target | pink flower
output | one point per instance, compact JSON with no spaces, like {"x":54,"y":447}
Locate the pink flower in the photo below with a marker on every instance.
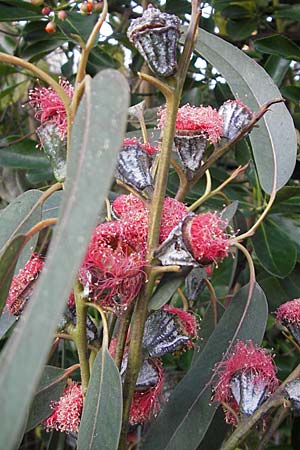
{"x":289,"y":315}
{"x":146,"y":403}
{"x":203,"y":119}
{"x":206,"y":238}
{"x":187,"y":321}
{"x":128,"y":207}
{"x":49,"y":106}
{"x":22,"y":284}
{"x":67,"y":411}
{"x":113,"y":266}
{"x":246,"y":378}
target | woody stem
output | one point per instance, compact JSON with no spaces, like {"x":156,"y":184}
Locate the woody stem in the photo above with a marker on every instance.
{"x":173,"y":96}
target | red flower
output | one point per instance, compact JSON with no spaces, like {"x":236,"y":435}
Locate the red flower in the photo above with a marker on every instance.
{"x":206,"y":238}
{"x":289,"y":315}
{"x":22,"y":284}
{"x":246,"y":378}
{"x":289,"y":312}
{"x":187,"y":321}
{"x":113,"y":266}
{"x":150,"y":149}
{"x":49,"y":106}
{"x":67,"y":411}
{"x":128,"y":207}
{"x":146,"y":403}
{"x":203,"y":119}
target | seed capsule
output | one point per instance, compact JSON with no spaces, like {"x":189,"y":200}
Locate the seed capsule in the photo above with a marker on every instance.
{"x":155,"y":35}
{"x":235,"y":116}
{"x":248,"y":394}
{"x":55,"y":148}
{"x":133,"y":167}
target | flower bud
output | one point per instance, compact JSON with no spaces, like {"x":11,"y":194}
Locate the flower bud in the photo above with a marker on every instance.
{"x":46,"y":11}
{"x":62,"y":15}
{"x":50,"y":27}
{"x":155,"y":35}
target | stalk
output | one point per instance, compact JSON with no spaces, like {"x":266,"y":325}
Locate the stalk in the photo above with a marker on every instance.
{"x":172,"y":91}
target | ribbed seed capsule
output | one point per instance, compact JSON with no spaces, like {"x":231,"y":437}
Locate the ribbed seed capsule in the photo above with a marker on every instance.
{"x":235,"y":116}
{"x":133,"y":167}
{"x":190,"y":149}
{"x":248,"y":394}
{"x":155,"y":35}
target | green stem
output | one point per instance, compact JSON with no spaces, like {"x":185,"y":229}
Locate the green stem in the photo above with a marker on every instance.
{"x":277,"y":399}
{"x":122,"y":335}
{"x":79,"y":335}
{"x":172,"y":92}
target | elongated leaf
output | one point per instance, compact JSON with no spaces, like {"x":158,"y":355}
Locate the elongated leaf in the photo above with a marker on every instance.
{"x":249,"y":81}
{"x":274,"y":249}
{"x":277,"y":68}
{"x":51,"y":205}
{"x":166,"y":289}
{"x":291,"y":12}
{"x":229,"y":212}
{"x":16,"y":217}
{"x":186,"y":417}
{"x":8,"y":261}
{"x":23,"y":155}
{"x":49,"y":390}
{"x":215,"y":433}
{"x":102,"y":414}
{"x":18,"y":10}
{"x":278,"y":45}
{"x":77,"y":24}
{"x":6,"y":322}
{"x":97,"y":135}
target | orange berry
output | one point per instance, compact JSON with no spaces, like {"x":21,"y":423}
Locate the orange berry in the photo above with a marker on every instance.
{"x":50,"y":27}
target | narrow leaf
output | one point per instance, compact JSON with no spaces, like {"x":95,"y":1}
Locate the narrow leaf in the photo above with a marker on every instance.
{"x":278,"y":45}
{"x":97,"y":135}
{"x":189,"y":412}
{"x":6,"y":322}
{"x":102,"y":414}
{"x":166,"y":289}
{"x":248,"y":81}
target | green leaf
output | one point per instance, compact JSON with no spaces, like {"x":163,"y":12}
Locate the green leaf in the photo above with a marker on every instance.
{"x":291,"y":226}
{"x":37,"y":50}
{"x":274,"y":249}
{"x":17,"y":218}
{"x":49,"y":389}
{"x":18,"y":10}
{"x":188,"y":412}
{"x":102,"y":413}
{"x":239,"y":30}
{"x":97,"y":135}
{"x":166,"y":289}
{"x":229,"y":212}
{"x":8,"y":260}
{"x":291,"y":93}
{"x":291,"y":12}
{"x":278,"y":45}
{"x":51,"y":205}
{"x":77,"y":24}
{"x":23,"y":155}
{"x":215,"y":433}
{"x":277,"y":68}
{"x":6,"y":322}
{"x":249,"y":81}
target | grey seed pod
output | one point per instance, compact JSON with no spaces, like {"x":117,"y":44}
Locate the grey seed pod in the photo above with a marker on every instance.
{"x":55,"y":148}
{"x":162,"y":334}
{"x":248,"y":394}
{"x":194,"y":283}
{"x":133,"y":168}
{"x":148,"y":375}
{"x":235,"y":116}
{"x":173,"y":251}
{"x":293,"y":391}
{"x":155,"y":35}
{"x":91,"y":329}
{"x":190,"y":148}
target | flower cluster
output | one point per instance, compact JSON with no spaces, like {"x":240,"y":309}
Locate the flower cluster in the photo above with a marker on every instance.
{"x":66,"y":411}
{"x":49,"y":106}
{"x":22,"y":285}
{"x":112,"y":270}
{"x":245,"y":379}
